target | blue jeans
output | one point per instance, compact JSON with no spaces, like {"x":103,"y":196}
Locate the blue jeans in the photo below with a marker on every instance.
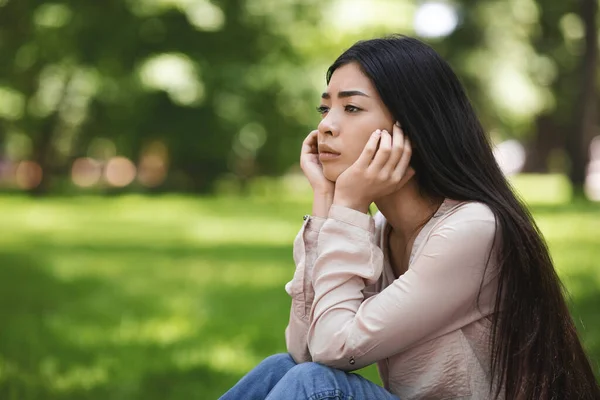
{"x":278,"y":377}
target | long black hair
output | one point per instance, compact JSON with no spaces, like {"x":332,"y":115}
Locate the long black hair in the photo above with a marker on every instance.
{"x":535,"y":350}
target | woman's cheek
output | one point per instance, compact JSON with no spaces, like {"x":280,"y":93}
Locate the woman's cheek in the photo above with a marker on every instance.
{"x":353,"y":155}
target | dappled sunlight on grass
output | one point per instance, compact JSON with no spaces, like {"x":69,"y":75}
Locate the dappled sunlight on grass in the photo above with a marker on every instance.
{"x":543,"y":188}
{"x":230,"y":357}
{"x":188,"y":272}
{"x":186,"y":222}
{"x":573,"y":238}
{"x":77,"y":377}
{"x":218,"y":230}
{"x":130,"y":330}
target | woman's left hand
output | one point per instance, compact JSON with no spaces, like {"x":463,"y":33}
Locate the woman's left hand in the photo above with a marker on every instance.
{"x":377,"y":172}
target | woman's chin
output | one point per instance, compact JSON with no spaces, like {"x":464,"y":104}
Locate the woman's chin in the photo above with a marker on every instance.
{"x":331,"y":174}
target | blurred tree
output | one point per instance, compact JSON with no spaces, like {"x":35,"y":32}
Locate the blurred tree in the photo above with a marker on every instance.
{"x":206,"y":80}
{"x":553,"y":124}
{"x":554,"y":46}
{"x":227,"y":89}
{"x":567,"y":38}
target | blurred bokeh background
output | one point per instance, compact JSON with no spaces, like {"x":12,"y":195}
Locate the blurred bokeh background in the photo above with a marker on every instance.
{"x":149,"y":181}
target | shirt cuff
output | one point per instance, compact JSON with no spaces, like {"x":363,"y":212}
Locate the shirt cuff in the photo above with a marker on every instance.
{"x":314,"y":224}
{"x":352,"y":217}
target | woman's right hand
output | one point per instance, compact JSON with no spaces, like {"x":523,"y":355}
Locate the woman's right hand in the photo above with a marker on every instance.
{"x":312,"y":167}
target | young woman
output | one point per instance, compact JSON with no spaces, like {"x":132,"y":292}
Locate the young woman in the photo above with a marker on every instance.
{"x":449,"y":288}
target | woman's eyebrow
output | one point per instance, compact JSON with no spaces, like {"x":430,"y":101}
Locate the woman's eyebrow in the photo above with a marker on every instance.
{"x":344,"y":93}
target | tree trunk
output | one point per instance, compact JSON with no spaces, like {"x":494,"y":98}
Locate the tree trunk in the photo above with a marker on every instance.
{"x":2,"y":141}
{"x":551,"y":129}
{"x":578,"y":142}
{"x":541,"y":145}
{"x":42,"y":154}
{"x":43,"y":147}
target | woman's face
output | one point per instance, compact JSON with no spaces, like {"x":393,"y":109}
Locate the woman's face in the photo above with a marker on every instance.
{"x":352,"y":111}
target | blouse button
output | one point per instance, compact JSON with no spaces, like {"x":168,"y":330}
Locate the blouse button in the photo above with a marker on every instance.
{"x":352,"y":360}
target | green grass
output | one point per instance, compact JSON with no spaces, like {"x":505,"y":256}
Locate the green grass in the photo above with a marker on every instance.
{"x":177,"y":297}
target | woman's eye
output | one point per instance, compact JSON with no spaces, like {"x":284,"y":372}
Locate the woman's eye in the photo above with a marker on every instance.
{"x":322,"y":109}
{"x":351,"y":109}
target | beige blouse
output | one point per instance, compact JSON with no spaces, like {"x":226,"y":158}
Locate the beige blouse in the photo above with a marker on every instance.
{"x":426,"y":330}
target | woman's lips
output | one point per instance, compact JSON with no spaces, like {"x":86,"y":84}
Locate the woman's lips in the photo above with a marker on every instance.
{"x":326,"y":156}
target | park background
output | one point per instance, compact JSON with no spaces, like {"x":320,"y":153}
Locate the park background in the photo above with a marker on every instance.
{"x":149,"y":181}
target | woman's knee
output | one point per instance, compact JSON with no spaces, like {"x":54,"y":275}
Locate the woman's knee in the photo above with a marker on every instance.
{"x":279,"y":360}
{"x":310,"y":369}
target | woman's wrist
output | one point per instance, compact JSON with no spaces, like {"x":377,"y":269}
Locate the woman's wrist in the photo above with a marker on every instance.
{"x":351,"y":202}
{"x":321,"y":203}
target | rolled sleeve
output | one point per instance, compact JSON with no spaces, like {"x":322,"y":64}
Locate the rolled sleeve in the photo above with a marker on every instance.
{"x":352,"y":217}
{"x":314,"y":224}
{"x":300,"y":288}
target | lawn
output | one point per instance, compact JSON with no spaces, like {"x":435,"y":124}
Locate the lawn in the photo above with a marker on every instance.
{"x":177,"y":297}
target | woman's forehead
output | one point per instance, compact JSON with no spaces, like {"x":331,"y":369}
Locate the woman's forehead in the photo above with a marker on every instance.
{"x":349,"y":77}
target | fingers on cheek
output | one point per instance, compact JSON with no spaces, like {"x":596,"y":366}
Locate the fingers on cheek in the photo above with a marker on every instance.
{"x":387,"y":138}
{"x":386,"y":144}
{"x":398,"y":139}
{"x":376,"y":148}
{"x":375,"y":144}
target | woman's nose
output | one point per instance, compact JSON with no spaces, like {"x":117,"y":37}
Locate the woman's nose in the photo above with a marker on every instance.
{"x":328,"y":126}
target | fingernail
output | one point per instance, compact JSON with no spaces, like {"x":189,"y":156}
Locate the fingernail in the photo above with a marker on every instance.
{"x":377,"y":133}
{"x":398,"y":124}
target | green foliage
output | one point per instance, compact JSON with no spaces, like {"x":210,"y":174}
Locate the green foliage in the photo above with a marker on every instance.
{"x":228,"y":88}
{"x":206,"y":80}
